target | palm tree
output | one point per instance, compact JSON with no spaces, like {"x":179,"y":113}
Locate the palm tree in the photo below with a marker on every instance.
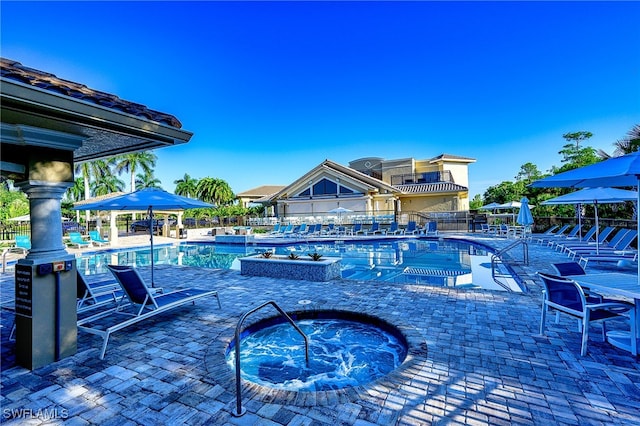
{"x":213,"y":190}
{"x":107,"y":184}
{"x":75,"y":193}
{"x":187,"y":186}
{"x":133,"y":162}
{"x":630,"y":143}
{"x":147,"y":180}
{"x":92,"y":170}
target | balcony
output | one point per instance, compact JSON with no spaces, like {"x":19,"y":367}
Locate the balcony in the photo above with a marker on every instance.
{"x":418,"y":178}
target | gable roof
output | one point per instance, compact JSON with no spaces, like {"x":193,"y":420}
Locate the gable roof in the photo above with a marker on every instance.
{"x":260,"y":191}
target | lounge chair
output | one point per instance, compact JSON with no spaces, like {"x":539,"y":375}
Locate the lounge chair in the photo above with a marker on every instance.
{"x":276,"y":229}
{"x":595,"y":240}
{"x":566,"y":296}
{"x":21,"y":248}
{"x":556,"y":237}
{"x":357,"y":229}
{"x":98,"y":294}
{"x":431,"y":229}
{"x":139,"y":303}
{"x":412,"y":228}
{"x":302,"y":230}
{"x":75,"y":239}
{"x":23,"y":242}
{"x":375,"y":229}
{"x":550,"y":233}
{"x":96,"y":239}
{"x":619,"y":243}
{"x":561,"y":244}
{"x":394,"y":229}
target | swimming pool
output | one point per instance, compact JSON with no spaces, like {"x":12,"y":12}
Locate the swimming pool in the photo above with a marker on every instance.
{"x":441,"y":262}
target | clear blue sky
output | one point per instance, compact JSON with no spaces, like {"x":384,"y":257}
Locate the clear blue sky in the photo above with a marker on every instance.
{"x":272,"y":89}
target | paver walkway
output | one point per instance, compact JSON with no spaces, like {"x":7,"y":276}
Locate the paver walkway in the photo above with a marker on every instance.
{"x":477,"y":358}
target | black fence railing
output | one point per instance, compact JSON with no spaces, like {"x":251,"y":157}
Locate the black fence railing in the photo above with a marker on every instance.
{"x":426,"y":177}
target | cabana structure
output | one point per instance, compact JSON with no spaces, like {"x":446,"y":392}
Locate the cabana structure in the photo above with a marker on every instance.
{"x":48,"y":125}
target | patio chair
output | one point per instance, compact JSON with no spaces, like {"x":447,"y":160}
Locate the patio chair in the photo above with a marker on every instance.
{"x":431,"y":229}
{"x":75,"y":239}
{"x":568,"y":240}
{"x":567,"y":297}
{"x":412,"y":228}
{"x":375,"y":229}
{"x":23,"y":242}
{"x":96,"y":239}
{"x":21,"y":248}
{"x":618,"y":244}
{"x":394,"y":229}
{"x":94,"y":295}
{"x":276,"y":229}
{"x":357,"y":229}
{"x":138,"y":303}
{"x":552,"y":239}
{"x":550,"y":233}
{"x":598,"y":239}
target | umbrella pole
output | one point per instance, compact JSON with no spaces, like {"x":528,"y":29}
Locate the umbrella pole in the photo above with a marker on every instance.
{"x":595,"y":203}
{"x":153,"y":284}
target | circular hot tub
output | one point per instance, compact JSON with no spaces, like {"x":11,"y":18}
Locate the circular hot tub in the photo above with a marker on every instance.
{"x":345,"y":349}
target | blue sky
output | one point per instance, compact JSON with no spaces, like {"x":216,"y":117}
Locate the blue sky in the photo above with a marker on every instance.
{"x":272,"y":89}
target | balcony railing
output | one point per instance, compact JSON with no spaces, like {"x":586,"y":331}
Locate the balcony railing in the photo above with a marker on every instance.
{"x":426,"y":177}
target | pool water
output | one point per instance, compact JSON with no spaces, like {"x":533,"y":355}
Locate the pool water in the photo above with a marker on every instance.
{"x":442,"y":262}
{"x":342,"y":353}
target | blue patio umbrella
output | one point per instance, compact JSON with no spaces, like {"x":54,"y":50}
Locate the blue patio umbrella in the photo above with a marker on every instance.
{"x":148,"y":199}
{"x":614,"y":172}
{"x":525,"y":217}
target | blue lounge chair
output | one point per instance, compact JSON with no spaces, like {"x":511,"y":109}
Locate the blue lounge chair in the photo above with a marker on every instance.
{"x":375,"y":229}
{"x":595,"y":239}
{"x":94,"y":295}
{"x":357,"y":229}
{"x":619,"y":243}
{"x":139,"y":303}
{"x":412,"y":228}
{"x":75,"y":239}
{"x":557,"y":237}
{"x":96,"y":239}
{"x":550,"y":233}
{"x":560,"y":245}
{"x":394,"y":229}
{"x":276,"y":229}
{"x":566,"y":296}
{"x":23,"y":242}
{"x":431,"y":229}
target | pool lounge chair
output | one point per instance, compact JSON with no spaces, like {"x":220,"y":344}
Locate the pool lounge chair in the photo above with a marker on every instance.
{"x":560,"y":245}
{"x":618,"y":244}
{"x":139,"y":303}
{"x":567,"y":297}
{"x":94,"y":295}
{"x":550,"y":233}
{"x":394,"y":229}
{"x":96,"y":239}
{"x":75,"y":239}
{"x":357,"y":229}
{"x":598,"y":239}
{"x":375,"y":229}
{"x":412,"y":228}
{"x":552,"y":239}
{"x":431,"y":229}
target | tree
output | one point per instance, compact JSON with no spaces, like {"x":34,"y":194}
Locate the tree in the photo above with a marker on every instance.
{"x":75,"y":192}
{"x":107,"y":184}
{"x":187,"y":186}
{"x":12,"y":204}
{"x":574,"y":156}
{"x":147,"y":180}
{"x":212,"y":190}
{"x":133,"y":162}
{"x":91,"y":170}
{"x":504,"y":192}
{"x":577,"y":137}
{"x":528,"y":173}
{"x":630,"y":143}
{"x":476,"y":202}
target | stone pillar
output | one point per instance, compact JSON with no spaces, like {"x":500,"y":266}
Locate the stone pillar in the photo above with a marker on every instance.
{"x":46,"y":317}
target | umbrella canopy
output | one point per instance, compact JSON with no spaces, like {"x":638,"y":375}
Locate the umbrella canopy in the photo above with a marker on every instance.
{"x":525,"y":217}
{"x":509,"y":205}
{"x":617,"y":171}
{"x":340,"y":210}
{"x":149,"y":199}
{"x":490,"y":206}
{"x":594,"y":196}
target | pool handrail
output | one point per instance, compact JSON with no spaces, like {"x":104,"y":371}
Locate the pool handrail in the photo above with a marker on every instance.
{"x":239,"y":410}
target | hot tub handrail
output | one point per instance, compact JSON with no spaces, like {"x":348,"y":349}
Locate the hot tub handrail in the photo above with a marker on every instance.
{"x":239,"y":410}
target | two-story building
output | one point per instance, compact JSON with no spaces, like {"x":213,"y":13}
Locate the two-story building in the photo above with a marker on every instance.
{"x":375,"y":187}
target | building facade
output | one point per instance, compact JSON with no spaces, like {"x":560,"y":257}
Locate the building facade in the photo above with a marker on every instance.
{"x":374,"y":187}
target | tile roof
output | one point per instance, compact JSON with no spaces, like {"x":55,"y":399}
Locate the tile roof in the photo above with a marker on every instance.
{"x":425,"y":188}
{"x":261,"y":191}
{"x":16,"y":71}
{"x":444,"y":157}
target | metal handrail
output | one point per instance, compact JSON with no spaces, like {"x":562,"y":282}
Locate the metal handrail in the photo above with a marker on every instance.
{"x":497,"y":256}
{"x":239,"y":410}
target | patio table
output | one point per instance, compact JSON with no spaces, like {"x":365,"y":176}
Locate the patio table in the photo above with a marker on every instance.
{"x":616,"y":284}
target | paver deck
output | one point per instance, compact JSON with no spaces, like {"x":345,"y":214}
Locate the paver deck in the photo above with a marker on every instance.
{"x":478,"y":359}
